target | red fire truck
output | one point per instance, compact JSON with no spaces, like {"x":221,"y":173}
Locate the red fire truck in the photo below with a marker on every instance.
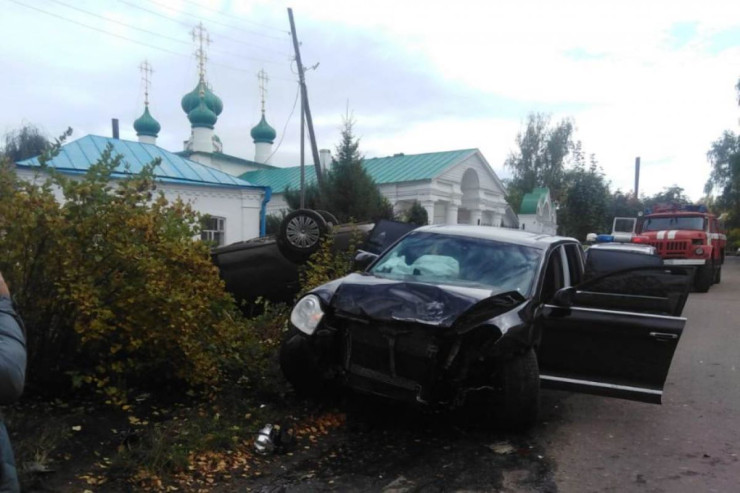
{"x":685,"y":235}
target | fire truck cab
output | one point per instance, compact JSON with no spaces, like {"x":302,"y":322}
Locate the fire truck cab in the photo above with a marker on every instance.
{"x":685,"y":235}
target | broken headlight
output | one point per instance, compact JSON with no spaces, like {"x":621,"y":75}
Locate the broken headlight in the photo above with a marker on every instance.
{"x":307,"y":314}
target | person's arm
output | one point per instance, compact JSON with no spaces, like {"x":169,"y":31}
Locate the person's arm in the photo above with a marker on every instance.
{"x":12,"y":349}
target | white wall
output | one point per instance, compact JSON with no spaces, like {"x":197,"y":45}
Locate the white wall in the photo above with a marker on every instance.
{"x":240,"y":207}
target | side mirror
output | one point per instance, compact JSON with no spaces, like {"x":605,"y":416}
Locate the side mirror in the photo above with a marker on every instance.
{"x":363,"y":259}
{"x":565,"y":297}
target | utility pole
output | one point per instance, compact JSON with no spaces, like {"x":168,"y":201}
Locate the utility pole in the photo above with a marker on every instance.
{"x":303,"y":159}
{"x":637,"y":176}
{"x":304,"y":100}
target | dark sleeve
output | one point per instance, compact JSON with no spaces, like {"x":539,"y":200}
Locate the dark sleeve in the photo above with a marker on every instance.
{"x":12,"y":353}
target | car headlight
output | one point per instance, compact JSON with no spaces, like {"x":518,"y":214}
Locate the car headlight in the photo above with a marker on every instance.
{"x":699,"y":251}
{"x":307,"y":314}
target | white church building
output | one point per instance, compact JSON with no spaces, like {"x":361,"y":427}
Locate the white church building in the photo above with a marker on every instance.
{"x":236,"y":194}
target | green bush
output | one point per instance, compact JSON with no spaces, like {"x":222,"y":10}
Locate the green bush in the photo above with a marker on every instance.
{"x":112,"y":284}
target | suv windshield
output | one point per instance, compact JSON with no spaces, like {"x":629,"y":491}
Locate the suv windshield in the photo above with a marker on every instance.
{"x":673,"y":222}
{"x":461,"y":260}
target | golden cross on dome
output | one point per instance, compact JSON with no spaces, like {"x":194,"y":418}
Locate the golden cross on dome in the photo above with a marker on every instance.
{"x":146,"y":72}
{"x":200,"y":34}
{"x":264,"y":79}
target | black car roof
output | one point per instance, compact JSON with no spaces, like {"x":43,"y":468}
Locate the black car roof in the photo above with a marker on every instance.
{"x":525,"y":238}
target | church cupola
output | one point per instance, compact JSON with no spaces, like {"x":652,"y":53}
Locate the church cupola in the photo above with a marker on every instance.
{"x":202,"y":106}
{"x":147,"y":128}
{"x":262,"y":133}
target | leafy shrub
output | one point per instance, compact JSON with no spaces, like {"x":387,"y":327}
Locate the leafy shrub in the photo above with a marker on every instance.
{"x":112,"y":285}
{"x":328,"y":263}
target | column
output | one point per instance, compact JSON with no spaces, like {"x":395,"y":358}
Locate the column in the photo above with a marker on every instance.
{"x":451,"y":216}
{"x":429,"y":207}
{"x":476,"y":217}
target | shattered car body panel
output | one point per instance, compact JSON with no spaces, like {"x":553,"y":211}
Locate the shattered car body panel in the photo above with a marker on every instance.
{"x":450,"y":310}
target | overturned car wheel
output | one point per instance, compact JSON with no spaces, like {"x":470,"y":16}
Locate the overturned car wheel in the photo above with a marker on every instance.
{"x":520,"y":385}
{"x":300,"y":234}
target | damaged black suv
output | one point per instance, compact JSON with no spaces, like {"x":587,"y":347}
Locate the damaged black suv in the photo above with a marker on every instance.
{"x":452,"y":312}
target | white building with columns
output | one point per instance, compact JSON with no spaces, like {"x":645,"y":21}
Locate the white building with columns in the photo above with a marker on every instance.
{"x":455,"y":187}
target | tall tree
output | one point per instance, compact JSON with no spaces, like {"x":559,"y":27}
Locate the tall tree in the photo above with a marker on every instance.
{"x":348,"y":192}
{"x":670,"y":195}
{"x":584,"y":206}
{"x":24,"y":143}
{"x":724,"y":155}
{"x":539,"y":158}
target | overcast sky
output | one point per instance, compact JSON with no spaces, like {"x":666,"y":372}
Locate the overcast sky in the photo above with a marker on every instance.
{"x":647,"y":78}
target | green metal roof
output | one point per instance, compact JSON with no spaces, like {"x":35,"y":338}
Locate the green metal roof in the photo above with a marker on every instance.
{"x":530,"y":200}
{"x":393,"y":169}
{"x":77,"y":156}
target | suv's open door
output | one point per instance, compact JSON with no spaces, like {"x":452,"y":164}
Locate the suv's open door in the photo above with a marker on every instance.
{"x":615,"y":335}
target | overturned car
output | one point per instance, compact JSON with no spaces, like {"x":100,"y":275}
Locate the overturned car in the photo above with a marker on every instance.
{"x":452,"y":313}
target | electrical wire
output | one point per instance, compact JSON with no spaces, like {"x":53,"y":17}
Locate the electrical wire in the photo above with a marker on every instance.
{"x":189,"y":26}
{"x":96,"y":29}
{"x":120,"y":23}
{"x":141,"y":43}
{"x":285,"y":127}
{"x":217,"y":22}
{"x":265,"y":26}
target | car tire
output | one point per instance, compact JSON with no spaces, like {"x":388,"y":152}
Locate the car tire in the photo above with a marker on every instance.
{"x":520,"y":384}
{"x":331,"y":219}
{"x":718,"y":275}
{"x":704,"y":278}
{"x":300,"y":234}
{"x":301,"y":365}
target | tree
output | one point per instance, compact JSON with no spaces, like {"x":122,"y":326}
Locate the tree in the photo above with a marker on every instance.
{"x":670,"y":195}
{"x":725,"y":176}
{"x":348,"y":192}
{"x":724,"y":155}
{"x":25,"y":143}
{"x":624,"y":205}
{"x":113,"y":288}
{"x":539,"y":159}
{"x":417,"y":214}
{"x":584,"y":207}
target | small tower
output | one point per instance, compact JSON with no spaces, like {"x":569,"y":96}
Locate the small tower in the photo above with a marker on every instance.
{"x":201,"y":105}
{"x":263,"y":134}
{"x":147,"y":128}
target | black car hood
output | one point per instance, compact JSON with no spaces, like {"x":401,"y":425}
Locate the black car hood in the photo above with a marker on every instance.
{"x":369,"y":297}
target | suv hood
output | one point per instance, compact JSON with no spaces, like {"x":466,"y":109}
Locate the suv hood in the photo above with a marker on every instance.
{"x":370,"y":297}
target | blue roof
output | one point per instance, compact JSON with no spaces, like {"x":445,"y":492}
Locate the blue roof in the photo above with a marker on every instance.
{"x":77,"y":156}
{"x":393,"y":169}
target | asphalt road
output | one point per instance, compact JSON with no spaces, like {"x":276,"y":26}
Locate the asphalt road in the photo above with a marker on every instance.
{"x":688,"y":444}
{"x":581,"y":443}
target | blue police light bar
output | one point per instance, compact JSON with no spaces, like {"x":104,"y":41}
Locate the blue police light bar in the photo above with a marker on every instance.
{"x":604,"y":238}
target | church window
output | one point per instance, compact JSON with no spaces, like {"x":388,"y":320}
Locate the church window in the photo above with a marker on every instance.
{"x":213,"y":230}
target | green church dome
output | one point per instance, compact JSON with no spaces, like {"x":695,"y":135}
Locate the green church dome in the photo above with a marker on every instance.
{"x":202,"y":116}
{"x":146,"y":124}
{"x":263,"y":132}
{"x":190,"y":101}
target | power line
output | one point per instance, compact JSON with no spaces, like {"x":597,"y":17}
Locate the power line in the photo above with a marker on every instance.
{"x":172,"y":19}
{"x":265,"y":26}
{"x":97,"y":29}
{"x":120,"y":23}
{"x":285,"y":127}
{"x":217,"y":22}
{"x":154,"y":47}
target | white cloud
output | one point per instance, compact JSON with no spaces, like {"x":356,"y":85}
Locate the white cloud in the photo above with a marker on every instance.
{"x":640,"y":78}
